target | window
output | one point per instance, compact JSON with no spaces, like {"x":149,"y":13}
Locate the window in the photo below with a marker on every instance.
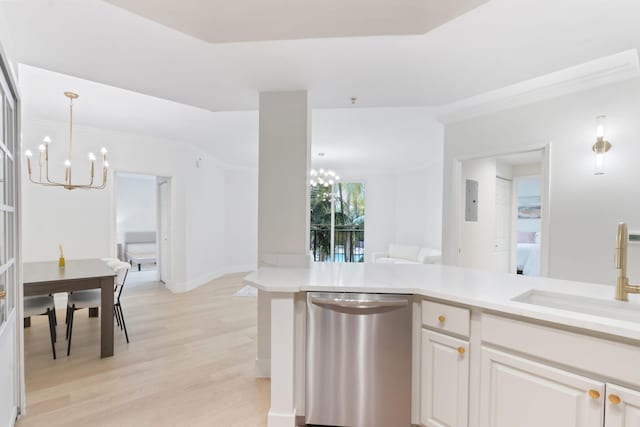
{"x":337,"y":222}
{"x":7,"y":209}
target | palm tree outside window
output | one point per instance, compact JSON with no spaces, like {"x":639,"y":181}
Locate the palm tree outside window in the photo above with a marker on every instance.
{"x":337,"y":222}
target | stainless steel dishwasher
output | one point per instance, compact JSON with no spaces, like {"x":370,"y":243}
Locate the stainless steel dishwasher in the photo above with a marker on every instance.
{"x":358,"y":360}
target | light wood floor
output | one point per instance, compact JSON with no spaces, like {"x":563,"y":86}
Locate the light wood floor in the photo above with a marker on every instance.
{"x":190,"y":363}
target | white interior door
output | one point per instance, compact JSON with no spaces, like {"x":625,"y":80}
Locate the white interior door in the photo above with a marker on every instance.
{"x":502,"y":241}
{"x":164,"y":217}
{"x":10,"y":323}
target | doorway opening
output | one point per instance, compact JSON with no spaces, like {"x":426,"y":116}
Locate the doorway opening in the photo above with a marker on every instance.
{"x":501,"y":226}
{"x":143,"y":225}
{"x":528,"y":197}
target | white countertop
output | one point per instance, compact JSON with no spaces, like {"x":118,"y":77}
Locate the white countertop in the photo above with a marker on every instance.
{"x":475,"y":288}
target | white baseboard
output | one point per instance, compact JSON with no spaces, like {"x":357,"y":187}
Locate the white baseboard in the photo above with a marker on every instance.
{"x":281,"y":419}
{"x":247,"y":268}
{"x":13,"y":416}
{"x":192,"y":284}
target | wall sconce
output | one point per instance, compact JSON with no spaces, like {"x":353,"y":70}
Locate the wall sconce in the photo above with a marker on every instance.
{"x":601,"y":146}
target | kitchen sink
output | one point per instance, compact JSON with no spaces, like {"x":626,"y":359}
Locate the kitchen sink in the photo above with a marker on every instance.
{"x":611,"y":309}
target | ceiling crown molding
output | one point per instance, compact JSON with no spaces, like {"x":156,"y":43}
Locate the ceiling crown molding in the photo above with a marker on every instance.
{"x":599,"y":72}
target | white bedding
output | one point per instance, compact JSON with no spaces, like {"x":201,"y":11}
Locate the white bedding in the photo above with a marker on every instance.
{"x":529,"y":258}
{"x":141,"y":251}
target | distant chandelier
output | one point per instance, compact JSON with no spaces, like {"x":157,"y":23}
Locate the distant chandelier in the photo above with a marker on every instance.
{"x":323,"y":177}
{"x":44,"y":161}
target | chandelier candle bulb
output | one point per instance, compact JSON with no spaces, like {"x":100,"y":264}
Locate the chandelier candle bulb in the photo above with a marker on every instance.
{"x":326,"y":178}
{"x":28,"y":155}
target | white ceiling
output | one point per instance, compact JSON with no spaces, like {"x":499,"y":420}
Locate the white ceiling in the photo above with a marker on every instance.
{"x":362,"y":139}
{"x":218,"y":21}
{"x":499,"y":43}
{"x":230,"y":136}
{"x":375,"y":140}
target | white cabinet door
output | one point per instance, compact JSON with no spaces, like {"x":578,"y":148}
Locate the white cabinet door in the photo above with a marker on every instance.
{"x":523,"y":393}
{"x":445,"y":381}
{"x":623,"y":407}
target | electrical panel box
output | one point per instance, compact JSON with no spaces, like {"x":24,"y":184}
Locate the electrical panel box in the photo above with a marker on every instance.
{"x":471,"y":201}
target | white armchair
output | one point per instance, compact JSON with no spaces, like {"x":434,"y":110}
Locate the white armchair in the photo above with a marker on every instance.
{"x":405,"y":254}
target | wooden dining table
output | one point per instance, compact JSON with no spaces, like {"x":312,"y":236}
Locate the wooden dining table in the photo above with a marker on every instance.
{"x":44,"y":278}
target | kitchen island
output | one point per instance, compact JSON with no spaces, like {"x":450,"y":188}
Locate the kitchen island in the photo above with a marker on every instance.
{"x":565,"y":347}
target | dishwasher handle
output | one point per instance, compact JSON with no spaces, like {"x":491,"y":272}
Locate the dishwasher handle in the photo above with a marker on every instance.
{"x":358,"y":304}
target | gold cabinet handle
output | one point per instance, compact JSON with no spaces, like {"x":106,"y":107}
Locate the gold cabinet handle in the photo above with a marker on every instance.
{"x":441,"y":318}
{"x":461,"y":350}
{"x":594,"y":394}
{"x":3,"y":294}
{"x":615,"y":399}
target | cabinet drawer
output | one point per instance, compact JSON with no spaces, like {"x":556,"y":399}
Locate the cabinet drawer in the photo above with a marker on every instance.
{"x":446,"y":318}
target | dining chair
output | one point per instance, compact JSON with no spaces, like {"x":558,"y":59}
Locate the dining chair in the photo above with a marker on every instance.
{"x":90,"y":298}
{"x":39,"y":306}
{"x":122,"y":271}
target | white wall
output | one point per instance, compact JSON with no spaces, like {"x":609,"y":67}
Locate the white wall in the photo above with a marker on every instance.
{"x":419,"y":206}
{"x":136,"y":208}
{"x":477,"y":237}
{"x":380,"y":211}
{"x":402,"y":208}
{"x":398,"y":154}
{"x":584,"y":209}
{"x":84,"y":221}
{"x":204,"y":222}
{"x":241,"y":219}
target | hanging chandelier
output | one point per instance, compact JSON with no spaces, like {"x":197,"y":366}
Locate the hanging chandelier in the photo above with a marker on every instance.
{"x":43,"y":163}
{"x":323,"y":177}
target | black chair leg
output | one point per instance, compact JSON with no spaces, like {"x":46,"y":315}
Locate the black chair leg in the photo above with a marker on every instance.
{"x":124,"y":325}
{"x":116,"y":314}
{"x":55,"y":332}
{"x":67,"y":321}
{"x":72,"y":310}
{"x":52,"y":331}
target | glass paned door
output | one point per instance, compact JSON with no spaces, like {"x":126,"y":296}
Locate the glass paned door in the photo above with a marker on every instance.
{"x":349,"y":222}
{"x":337,"y":222}
{"x":321,"y":223}
{"x":10,"y":352}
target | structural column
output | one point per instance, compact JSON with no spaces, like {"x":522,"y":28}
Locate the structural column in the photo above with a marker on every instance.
{"x":283,"y":232}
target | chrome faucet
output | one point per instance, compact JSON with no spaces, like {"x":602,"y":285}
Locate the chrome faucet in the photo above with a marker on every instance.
{"x":623,"y":288}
